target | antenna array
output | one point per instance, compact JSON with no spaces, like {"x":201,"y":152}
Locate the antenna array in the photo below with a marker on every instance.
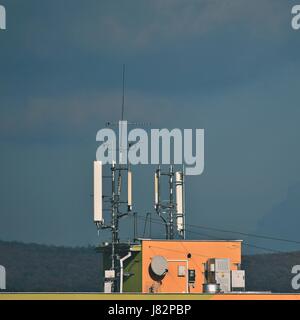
{"x":168,"y":209}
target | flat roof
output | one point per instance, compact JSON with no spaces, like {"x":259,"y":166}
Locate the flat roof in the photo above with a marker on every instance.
{"x":178,"y":240}
{"x":147,"y":296}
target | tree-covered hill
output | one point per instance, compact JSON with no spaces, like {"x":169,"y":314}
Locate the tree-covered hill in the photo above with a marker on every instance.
{"x":40,"y":268}
{"x":35,"y":268}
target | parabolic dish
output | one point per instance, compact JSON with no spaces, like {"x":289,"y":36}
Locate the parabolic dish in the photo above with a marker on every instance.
{"x":159,"y":265}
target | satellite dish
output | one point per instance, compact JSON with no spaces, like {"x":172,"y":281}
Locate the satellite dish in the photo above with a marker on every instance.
{"x":159,"y":265}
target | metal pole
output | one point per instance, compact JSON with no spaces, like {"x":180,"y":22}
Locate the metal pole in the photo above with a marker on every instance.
{"x":113,"y":227}
{"x":183,"y":200}
{"x":123,"y":93}
{"x":150,"y":228}
{"x":171,"y":205}
{"x":158,"y":187}
{"x":122,"y":269}
{"x":134,"y":226}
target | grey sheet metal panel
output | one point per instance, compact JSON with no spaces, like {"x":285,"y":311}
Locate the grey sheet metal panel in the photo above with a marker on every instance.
{"x":223,"y":279}
{"x":222,"y":265}
{"x":2,"y":278}
{"x":238,"y":279}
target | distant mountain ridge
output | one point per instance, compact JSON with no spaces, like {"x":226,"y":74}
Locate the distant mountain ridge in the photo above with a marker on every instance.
{"x":283,"y":221}
{"x":41,"y":268}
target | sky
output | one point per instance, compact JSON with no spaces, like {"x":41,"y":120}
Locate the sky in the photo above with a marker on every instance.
{"x":229,"y":67}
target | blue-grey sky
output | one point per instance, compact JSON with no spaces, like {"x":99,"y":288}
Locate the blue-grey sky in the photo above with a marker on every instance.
{"x":230,"y":67}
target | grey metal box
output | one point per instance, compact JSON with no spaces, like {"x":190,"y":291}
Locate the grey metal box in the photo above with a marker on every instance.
{"x":109,"y":274}
{"x":108,"y":286}
{"x":181,"y":271}
{"x":238,"y":279}
{"x":222,"y":265}
{"x":223,"y":279}
{"x":2,"y":278}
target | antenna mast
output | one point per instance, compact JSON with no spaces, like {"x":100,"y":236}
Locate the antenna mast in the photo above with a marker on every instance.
{"x":123,"y":94}
{"x":168,"y":210}
{"x":115,"y":199}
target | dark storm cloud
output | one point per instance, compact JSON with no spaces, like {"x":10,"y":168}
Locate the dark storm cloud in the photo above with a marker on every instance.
{"x":227,"y":66}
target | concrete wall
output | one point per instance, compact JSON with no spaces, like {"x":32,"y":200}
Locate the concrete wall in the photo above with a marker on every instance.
{"x":133,"y":266}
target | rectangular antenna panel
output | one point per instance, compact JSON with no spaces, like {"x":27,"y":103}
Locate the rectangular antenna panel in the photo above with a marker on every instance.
{"x":129,"y":191}
{"x":179,"y":193}
{"x":179,"y":201}
{"x":156,"y":189}
{"x":98,"y":214}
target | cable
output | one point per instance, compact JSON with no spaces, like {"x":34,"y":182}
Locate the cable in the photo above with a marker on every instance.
{"x":241,"y":233}
{"x":212,"y":237}
{"x":244,"y":243}
{"x":246,"y":234}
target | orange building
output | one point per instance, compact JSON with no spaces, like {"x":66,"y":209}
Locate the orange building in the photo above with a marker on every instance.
{"x":184,"y":266}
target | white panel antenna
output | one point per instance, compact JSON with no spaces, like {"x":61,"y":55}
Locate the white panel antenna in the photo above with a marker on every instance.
{"x":129,"y":190}
{"x":2,"y":278}
{"x":179,"y":202}
{"x":156,"y":191}
{"x":98,"y":212}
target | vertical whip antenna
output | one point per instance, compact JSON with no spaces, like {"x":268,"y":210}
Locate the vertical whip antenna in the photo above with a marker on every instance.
{"x":123,"y":94}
